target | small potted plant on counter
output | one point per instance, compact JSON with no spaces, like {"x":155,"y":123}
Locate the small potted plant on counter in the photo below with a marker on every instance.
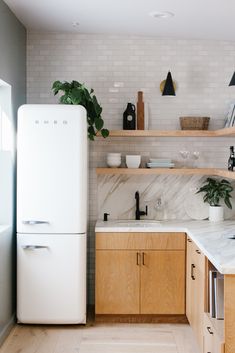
{"x":76,"y":93}
{"x":214,"y":191}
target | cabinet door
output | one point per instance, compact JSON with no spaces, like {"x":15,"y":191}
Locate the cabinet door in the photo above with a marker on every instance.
{"x":189,"y":281}
{"x":117,"y":282}
{"x":198,"y":307}
{"x":163,"y":282}
{"x":195,"y":290}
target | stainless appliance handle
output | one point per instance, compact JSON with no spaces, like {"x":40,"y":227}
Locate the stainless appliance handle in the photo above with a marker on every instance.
{"x":32,"y":222}
{"x":34,"y":247}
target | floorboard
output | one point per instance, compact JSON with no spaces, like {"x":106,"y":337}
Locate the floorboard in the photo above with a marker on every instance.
{"x":101,"y":338}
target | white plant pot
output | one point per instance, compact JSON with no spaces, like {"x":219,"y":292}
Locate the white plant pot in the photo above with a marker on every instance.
{"x":216,"y":213}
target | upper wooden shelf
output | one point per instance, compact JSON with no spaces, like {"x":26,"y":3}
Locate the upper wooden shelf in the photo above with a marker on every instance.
{"x":173,"y":133}
{"x":171,"y":171}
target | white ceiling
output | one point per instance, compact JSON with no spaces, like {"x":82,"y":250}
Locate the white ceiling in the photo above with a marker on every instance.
{"x":204,"y":19}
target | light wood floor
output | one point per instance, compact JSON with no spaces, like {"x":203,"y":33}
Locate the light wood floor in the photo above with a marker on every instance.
{"x":101,"y":338}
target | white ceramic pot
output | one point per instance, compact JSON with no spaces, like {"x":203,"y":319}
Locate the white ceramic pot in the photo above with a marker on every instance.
{"x":114,"y":163}
{"x":216,"y":213}
{"x":133,"y":161}
{"x":114,"y":160}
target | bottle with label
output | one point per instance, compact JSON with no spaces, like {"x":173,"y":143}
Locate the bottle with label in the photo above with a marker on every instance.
{"x":129,"y":117}
{"x":231,"y":160}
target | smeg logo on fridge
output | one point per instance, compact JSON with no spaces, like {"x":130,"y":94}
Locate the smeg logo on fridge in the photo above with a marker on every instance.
{"x":53,"y":122}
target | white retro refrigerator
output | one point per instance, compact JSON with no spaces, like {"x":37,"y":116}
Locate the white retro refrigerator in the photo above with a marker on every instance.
{"x":51,"y":214}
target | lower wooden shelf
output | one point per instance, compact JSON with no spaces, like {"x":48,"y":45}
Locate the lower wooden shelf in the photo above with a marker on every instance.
{"x":171,"y":171}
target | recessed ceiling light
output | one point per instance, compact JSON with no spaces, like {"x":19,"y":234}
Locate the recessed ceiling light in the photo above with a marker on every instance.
{"x":75,"y":24}
{"x":161,"y":14}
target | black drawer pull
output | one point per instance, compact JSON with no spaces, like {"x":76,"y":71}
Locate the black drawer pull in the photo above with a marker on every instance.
{"x":209,"y":330}
{"x":143,"y":258}
{"x":192,"y":274}
{"x":137,"y":258}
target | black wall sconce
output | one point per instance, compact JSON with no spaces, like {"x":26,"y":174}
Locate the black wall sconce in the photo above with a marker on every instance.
{"x":232,"y":82}
{"x":168,"y":86}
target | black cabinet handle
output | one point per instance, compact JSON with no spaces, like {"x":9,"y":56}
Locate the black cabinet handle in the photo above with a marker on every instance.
{"x":192,"y":272}
{"x":143,"y":258}
{"x":137,"y":258}
{"x":209,"y":330}
{"x":198,"y":251}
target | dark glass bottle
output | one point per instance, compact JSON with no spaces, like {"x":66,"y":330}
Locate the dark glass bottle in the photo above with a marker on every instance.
{"x":129,"y":117}
{"x":231,"y":160}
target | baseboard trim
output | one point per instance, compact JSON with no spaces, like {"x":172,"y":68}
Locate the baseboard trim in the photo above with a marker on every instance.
{"x":140,"y":318}
{"x":7,"y":329}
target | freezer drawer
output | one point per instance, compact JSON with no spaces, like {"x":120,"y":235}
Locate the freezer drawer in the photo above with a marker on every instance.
{"x":51,"y":278}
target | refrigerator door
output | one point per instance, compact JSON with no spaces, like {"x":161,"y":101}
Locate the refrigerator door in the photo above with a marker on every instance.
{"x":52,"y":169}
{"x":51,"y":279}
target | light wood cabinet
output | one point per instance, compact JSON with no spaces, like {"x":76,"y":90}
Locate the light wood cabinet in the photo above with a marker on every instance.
{"x":195,"y":288}
{"x":140,"y":273}
{"x":163,"y":282}
{"x":212,"y":341}
{"x":189,"y":279}
{"x":117,"y":282}
{"x":144,"y":273}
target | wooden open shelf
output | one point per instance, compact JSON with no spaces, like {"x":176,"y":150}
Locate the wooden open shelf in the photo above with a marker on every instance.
{"x":173,"y":133}
{"x":171,"y":171}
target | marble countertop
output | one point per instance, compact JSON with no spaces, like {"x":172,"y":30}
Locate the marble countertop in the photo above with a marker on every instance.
{"x":213,"y":239}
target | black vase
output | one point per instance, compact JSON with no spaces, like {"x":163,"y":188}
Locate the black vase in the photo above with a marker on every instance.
{"x":129,"y":117}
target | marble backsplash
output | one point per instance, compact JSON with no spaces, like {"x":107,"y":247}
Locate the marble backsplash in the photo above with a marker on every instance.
{"x":167,"y":197}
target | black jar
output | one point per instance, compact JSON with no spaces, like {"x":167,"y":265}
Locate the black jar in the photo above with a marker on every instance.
{"x":129,"y":117}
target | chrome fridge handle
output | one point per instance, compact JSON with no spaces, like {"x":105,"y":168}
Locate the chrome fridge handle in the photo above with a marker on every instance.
{"x":34,"y":247}
{"x":32,"y":222}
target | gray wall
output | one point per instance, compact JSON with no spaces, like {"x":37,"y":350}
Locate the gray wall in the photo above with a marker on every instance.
{"x":12,"y":71}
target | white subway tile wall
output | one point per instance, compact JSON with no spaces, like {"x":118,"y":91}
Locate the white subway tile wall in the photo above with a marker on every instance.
{"x":119,"y":66}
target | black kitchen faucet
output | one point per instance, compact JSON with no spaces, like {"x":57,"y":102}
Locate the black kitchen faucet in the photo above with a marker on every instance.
{"x":139,"y":213}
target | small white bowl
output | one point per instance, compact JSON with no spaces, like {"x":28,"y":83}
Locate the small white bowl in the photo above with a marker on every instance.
{"x":113,"y":158}
{"x":133,"y":161}
{"x":114,"y":164}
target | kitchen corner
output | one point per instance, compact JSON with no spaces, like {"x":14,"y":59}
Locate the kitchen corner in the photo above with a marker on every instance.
{"x":192,"y":259}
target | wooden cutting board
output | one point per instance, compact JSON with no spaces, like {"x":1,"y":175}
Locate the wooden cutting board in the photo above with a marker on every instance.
{"x":140,"y":111}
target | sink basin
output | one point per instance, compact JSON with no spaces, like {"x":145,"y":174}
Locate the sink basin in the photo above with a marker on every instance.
{"x":138,"y":223}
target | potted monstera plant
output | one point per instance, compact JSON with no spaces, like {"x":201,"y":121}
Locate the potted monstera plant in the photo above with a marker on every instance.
{"x":76,"y":93}
{"x":214,"y":191}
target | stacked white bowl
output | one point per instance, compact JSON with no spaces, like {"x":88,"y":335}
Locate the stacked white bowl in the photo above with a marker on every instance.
{"x":114,"y":160}
{"x":133,"y":161}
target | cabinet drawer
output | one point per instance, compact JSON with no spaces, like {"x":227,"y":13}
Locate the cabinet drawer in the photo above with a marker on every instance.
{"x":196,"y":255}
{"x":212,"y":336}
{"x":136,"y":241}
